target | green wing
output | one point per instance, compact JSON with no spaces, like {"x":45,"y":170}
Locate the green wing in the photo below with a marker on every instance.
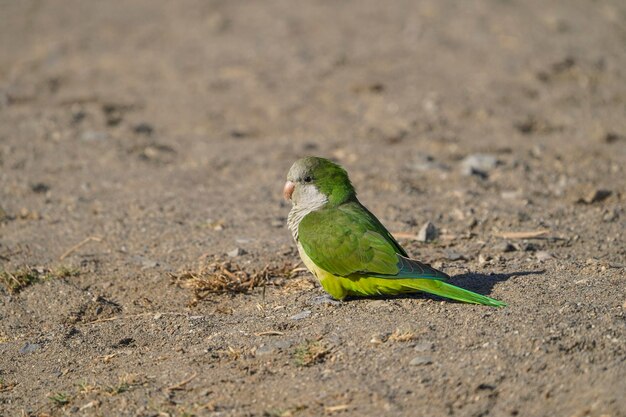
{"x":348,"y":240}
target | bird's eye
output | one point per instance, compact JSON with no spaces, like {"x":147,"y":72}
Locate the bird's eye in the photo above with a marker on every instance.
{"x":308,"y":179}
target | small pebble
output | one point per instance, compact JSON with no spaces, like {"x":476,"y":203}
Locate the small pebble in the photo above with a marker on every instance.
{"x":478,"y":164}
{"x":423,"y":347}
{"x":94,"y":136}
{"x":148,"y":263}
{"x":30,"y":347}
{"x":421,"y":360}
{"x":278,"y":222}
{"x":504,"y":247}
{"x":235,"y":252}
{"x":428,"y":163}
{"x":610,"y":216}
{"x":272,"y":347}
{"x":453,"y":255}
{"x":528,"y":247}
{"x":78,"y":116}
{"x":543,"y":256}
{"x":39,"y":188}
{"x":301,"y":315}
{"x":483,"y":259}
{"x":596,"y":196}
{"x":611,"y":137}
{"x":377,"y":339}
{"x":143,"y":129}
{"x":241,"y":132}
{"x":427,"y":233}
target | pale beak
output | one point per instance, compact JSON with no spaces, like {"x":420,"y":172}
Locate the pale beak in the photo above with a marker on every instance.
{"x":288,"y":190}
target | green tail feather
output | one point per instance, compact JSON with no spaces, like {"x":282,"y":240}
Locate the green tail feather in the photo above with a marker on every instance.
{"x":446,"y":290}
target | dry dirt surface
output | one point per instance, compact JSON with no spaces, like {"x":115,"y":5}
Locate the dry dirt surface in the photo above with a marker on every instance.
{"x":146,"y":266}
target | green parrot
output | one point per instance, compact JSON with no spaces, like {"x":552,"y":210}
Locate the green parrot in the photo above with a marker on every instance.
{"x":347,"y":248}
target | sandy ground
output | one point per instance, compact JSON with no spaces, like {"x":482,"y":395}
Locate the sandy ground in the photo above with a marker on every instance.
{"x":143,"y":140}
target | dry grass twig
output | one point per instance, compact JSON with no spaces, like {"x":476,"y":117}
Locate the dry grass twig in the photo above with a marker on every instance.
{"x":79,"y":245}
{"x":181,"y":385}
{"x":227,"y":277}
{"x":524,"y":235}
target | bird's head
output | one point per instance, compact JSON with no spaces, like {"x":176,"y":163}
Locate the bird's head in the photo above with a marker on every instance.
{"x":317,"y":182}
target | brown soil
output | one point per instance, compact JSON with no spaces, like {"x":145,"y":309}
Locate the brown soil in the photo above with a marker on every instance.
{"x":143,"y":148}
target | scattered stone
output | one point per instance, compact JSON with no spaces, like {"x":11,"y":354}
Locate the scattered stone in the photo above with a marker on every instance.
{"x":374,"y":87}
{"x":424,"y":347}
{"x":242,"y":132}
{"x":595,"y":196}
{"x":278,"y":222}
{"x":158,"y":153}
{"x":611,"y":137}
{"x":143,"y":129}
{"x":609,"y":216}
{"x":78,"y":116}
{"x":558,"y":68}
{"x":487,"y":387}
{"x":94,"y":136}
{"x":483,"y":259}
{"x":472,"y":222}
{"x":478,"y":164}
{"x":39,"y":187}
{"x":532,"y":125}
{"x":148,"y":263}
{"x":264,"y":350}
{"x":236,"y":252}
{"x":537,"y":150}
{"x":543,"y":256}
{"x":301,"y":315}
{"x":29,"y":347}
{"x":273,"y":347}
{"x":378,"y":339}
{"x":26,"y":214}
{"x":504,"y":247}
{"x":428,"y":163}
{"x":527,"y":126}
{"x":528,"y":247}
{"x":453,"y":255}
{"x":421,"y":360}
{"x":113,"y":113}
{"x":126,"y":341}
{"x":511,"y":195}
{"x":427,"y":233}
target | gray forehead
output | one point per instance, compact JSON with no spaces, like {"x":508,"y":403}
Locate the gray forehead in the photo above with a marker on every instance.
{"x":298,"y":170}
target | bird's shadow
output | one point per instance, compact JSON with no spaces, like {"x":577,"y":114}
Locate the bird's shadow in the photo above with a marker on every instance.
{"x":484,"y":283}
{"x":479,"y":283}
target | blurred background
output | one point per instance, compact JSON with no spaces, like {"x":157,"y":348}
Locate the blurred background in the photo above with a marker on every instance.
{"x":205,"y":104}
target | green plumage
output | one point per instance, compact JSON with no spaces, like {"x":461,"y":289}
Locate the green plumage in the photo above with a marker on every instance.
{"x":352,"y":253}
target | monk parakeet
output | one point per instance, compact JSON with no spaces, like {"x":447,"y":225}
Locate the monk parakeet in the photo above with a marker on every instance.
{"x":347,"y":248}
